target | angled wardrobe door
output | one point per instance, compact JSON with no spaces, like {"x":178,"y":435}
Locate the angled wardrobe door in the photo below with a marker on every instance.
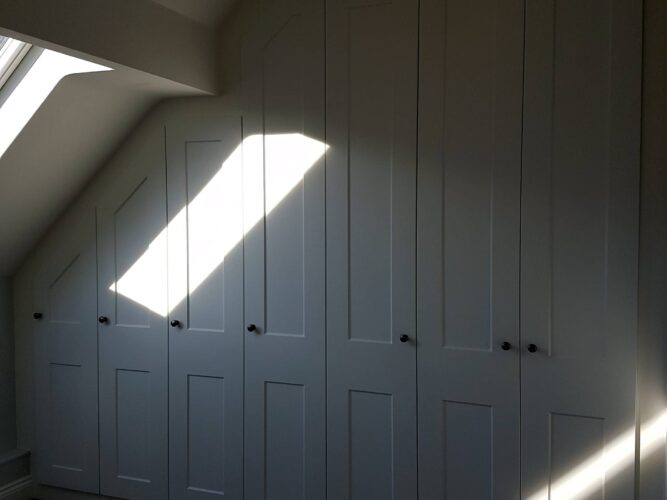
{"x":471,"y":67}
{"x":132,"y":308}
{"x":579,"y":248}
{"x":371,"y":212}
{"x":284,"y":253}
{"x":205,"y":308}
{"x":66,"y":448}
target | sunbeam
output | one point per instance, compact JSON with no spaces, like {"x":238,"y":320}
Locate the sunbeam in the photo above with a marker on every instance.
{"x":282,"y":158}
{"x":587,"y":477}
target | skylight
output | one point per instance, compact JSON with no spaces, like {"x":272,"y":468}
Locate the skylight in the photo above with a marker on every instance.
{"x":11,"y":53}
{"x":28,"y":75}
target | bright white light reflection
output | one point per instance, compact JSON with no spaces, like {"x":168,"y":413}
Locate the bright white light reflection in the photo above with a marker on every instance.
{"x":34,"y":88}
{"x":284,"y":159}
{"x":589,"y":476}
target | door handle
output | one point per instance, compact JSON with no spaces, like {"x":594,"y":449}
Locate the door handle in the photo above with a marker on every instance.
{"x":37,"y":315}
{"x":404,"y":338}
{"x":532,"y":348}
{"x":175,"y":323}
{"x":103,"y":319}
{"x":505,"y":346}
{"x":251,"y":327}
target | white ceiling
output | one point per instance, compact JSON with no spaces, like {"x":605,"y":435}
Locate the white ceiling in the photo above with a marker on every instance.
{"x":209,"y":12}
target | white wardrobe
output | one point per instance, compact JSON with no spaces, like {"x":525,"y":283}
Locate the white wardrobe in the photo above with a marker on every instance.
{"x":399,"y":262}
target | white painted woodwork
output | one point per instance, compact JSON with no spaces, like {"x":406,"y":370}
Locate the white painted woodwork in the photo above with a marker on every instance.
{"x":371,"y":50}
{"x":66,"y":453}
{"x":470,"y":101}
{"x":456,"y":172}
{"x":205,"y":239}
{"x":284,"y":224}
{"x":132,"y":293}
{"x":579,"y":248}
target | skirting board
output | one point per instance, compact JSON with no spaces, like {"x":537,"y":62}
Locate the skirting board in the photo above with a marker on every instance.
{"x":16,"y":490}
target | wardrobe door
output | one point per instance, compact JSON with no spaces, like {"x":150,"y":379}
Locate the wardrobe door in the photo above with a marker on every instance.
{"x":132,"y":303}
{"x":205,"y":308}
{"x":284,"y":253}
{"x":579,"y":248}
{"x":66,"y":448}
{"x":471,"y":69}
{"x":371,"y":211}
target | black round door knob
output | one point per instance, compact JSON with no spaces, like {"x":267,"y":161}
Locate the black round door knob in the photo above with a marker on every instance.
{"x":404,"y":338}
{"x":175,"y":323}
{"x":532,"y":348}
{"x":103,"y":319}
{"x":37,"y":315}
{"x":505,"y":346}
{"x":251,"y":327}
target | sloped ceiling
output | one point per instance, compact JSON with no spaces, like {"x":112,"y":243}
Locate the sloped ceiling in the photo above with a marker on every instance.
{"x":167,"y":50}
{"x":67,"y":140}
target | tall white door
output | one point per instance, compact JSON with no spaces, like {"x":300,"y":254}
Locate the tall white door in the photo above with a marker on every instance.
{"x":132,"y":308}
{"x":205,"y":236}
{"x":579,"y":248}
{"x":66,"y":453}
{"x":471,"y":68}
{"x":283,"y":154}
{"x":371,"y":216}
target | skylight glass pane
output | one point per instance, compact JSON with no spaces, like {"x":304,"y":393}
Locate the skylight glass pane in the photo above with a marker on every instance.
{"x":11,"y":53}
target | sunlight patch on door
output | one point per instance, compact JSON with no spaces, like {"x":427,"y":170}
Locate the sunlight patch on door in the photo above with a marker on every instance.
{"x":281,"y":159}
{"x":585,"y":478}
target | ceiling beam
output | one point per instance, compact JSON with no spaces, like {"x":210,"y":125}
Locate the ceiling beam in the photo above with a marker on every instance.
{"x":137,"y":34}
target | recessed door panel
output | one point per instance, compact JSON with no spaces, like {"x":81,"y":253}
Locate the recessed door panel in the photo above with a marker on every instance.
{"x":133,"y":416}
{"x":66,"y":445}
{"x":575,"y":441}
{"x":130,"y":266}
{"x":371,"y":169}
{"x":283,"y":60}
{"x":67,"y":409}
{"x":206,"y":234}
{"x":371,"y":210}
{"x":579,"y":168}
{"x":206,"y":435}
{"x":205,"y":238}
{"x":468,"y":217}
{"x":62,"y":293}
{"x":284,"y":434}
{"x":132,"y":305}
{"x":468,"y":450}
{"x":473,"y":71}
{"x":579,"y":247}
{"x":371,"y":450}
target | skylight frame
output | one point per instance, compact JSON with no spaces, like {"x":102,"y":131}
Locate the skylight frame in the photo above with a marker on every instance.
{"x":30,"y":74}
{"x":12,"y":52}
